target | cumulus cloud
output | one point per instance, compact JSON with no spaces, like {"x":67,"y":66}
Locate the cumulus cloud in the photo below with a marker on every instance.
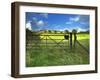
{"x":36,"y":24}
{"x":40,"y":23}
{"x":28,"y":25}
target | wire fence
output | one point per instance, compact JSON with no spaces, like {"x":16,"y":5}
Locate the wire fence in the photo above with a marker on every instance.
{"x":83,"y":47}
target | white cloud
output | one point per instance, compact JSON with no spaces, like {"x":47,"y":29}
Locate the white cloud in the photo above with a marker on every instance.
{"x":79,"y":29}
{"x":40,"y":23}
{"x":44,"y":15}
{"x":35,"y":24}
{"x":69,"y":22}
{"x":66,"y":28}
{"x":28,"y":26}
{"x":75,"y":19}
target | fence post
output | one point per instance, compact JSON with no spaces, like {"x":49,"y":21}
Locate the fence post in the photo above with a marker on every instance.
{"x":71,"y":40}
{"x":75,"y":38}
{"x":46,"y":41}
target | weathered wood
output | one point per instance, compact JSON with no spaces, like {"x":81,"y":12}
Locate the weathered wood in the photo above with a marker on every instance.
{"x":75,"y":38}
{"x":71,"y":40}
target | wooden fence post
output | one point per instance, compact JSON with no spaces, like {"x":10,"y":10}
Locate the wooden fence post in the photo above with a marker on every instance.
{"x":71,"y":40}
{"x":75,"y":38}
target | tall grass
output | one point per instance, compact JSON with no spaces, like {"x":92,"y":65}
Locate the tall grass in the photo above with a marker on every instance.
{"x":54,"y":55}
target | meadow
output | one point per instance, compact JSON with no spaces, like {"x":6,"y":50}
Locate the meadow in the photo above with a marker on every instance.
{"x":54,"y":50}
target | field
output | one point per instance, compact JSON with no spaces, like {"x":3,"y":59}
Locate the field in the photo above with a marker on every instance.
{"x":54,"y":50}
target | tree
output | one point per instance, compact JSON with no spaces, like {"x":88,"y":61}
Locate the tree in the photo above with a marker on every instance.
{"x":28,"y":35}
{"x":55,"y":31}
{"x":45,"y":31}
{"x":66,"y":31}
{"x":61,"y":32}
{"x":49,"y":31}
{"x":74,"y":31}
{"x":32,"y":37}
{"x":87,"y":31}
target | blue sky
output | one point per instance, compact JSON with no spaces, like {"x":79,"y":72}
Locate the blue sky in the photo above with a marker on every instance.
{"x":61,"y":22}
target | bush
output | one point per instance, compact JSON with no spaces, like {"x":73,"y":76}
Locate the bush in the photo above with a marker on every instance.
{"x":32,"y":37}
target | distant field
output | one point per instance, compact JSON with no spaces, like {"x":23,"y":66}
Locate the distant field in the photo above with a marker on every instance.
{"x":79,"y":36}
{"x":54,"y":50}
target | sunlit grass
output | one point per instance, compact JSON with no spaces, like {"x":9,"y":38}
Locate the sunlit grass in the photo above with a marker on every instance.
{"x":83,"y":36}
{"x":61,"y":36}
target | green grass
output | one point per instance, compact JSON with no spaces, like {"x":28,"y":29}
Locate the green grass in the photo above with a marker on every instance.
{"x":83,"y":36}
{"x":51,"y":55}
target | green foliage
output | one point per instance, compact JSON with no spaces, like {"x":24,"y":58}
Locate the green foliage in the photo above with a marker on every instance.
{"x":32,"y":37}
{"x":55,"y":31}
{"x":61,"y":32}
{"x":49,"y":31}
{"x":74,"y":31}
{"x":28,"y":36}
{"x":66,"y":31}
